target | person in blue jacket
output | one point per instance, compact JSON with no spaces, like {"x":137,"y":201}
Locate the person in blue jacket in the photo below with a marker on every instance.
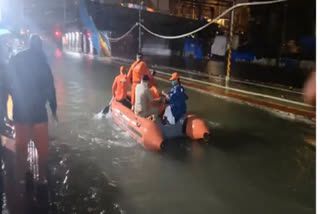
{"x":177,"y":98}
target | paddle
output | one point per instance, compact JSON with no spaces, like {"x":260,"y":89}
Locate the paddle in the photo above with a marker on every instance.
{"x":106,"y":109}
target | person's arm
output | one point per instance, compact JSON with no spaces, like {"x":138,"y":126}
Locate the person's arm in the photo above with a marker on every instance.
{"x":10,"y":75}
{"x":184,"y":92}
{"x":114,"y":87}
{"x":154,"y":93}
{"x":130,"y":72}
{"x":129,"y":76}
{"x":4,"y":92}
{"x":52,"y":93}
{"x":150,"y":98}
{"x":165,"y":95}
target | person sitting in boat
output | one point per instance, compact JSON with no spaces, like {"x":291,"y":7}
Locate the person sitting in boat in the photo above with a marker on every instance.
{"x":120,"y":88}
{"x":177,"y":107}
{"x":143,"y":98}
{"x":136,"y":71}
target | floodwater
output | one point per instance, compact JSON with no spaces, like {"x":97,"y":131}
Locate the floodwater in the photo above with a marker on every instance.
{"x":255,"y":162}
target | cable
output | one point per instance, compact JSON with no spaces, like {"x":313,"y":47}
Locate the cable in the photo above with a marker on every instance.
{"x":124,"y":35}
{"x":213,"y":21}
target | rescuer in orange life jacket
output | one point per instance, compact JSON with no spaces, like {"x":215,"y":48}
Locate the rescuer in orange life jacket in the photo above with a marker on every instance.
{"x":120,"y":88}
{"x":137,"y":70}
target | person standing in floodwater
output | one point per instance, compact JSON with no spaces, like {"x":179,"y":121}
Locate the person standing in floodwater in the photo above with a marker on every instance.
{"x":31,"y":86}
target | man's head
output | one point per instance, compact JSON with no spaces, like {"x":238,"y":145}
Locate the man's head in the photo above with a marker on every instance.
{"x":145,"y":79}
{"x":175,"y":79}
{"x":139,"y":56}
{"x":35,"y":42}
{"x":123,"y":70}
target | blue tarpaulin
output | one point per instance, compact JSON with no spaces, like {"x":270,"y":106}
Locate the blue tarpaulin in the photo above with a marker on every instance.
{"x":193,"y":46}
{"x":89,"y":25}
{"x":242,"y":56}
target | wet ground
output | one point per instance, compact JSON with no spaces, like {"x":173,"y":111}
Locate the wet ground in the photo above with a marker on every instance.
{"x":254,"y":163}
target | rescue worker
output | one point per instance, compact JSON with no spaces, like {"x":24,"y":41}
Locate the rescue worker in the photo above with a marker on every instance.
{"x":177,"y":107}
{"x":136,"y":71}
{"x":143,"y":98}
{"x":120,"y":88}
{"x":31,"y":87}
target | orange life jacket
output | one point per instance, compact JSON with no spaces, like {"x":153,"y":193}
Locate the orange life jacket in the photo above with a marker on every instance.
{"x":137,"y":70}
{"x":120,"y":87}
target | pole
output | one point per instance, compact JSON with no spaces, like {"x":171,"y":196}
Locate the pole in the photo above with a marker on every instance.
{"x":193,"y":12}
{"x":212,"y":12}
{"x":139,"y":49}
{"x":283,"y":33}
{"x":230,"y":47}
{"x":200,"y":10}
{"x":64,"y":14}
{"x":22,"y":13}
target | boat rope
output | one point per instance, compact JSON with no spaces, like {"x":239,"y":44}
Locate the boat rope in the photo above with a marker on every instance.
{"x":213,"y":21}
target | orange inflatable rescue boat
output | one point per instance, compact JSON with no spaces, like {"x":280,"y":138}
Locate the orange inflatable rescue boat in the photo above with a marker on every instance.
{"x":150,"y":133}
